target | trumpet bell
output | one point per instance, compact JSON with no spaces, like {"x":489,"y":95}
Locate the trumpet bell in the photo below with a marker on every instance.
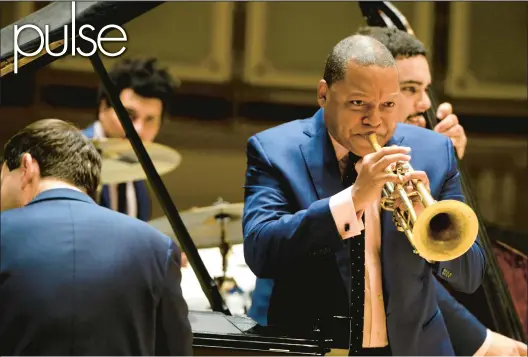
{"x":445,"y":230}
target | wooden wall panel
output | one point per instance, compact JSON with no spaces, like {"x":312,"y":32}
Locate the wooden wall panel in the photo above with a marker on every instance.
{"x":287,"y":42}
{"x":13,"y":11}
{"x":193,"y":39}
{"x":488,"y":50}
{"x":498,"y":168}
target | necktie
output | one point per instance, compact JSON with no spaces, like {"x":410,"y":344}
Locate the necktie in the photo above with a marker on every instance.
{"x":350,"y":174}
{"x":356,"y":247}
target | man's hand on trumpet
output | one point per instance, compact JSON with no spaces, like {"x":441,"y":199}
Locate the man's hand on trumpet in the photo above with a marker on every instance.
{"x":372,"y":174}
{"x":410,"y":189}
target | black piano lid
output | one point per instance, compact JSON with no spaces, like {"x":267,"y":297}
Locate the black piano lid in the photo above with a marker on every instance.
{"x":58,"y":14}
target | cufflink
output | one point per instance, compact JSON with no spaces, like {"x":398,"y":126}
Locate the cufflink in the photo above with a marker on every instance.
{"x":347,"y":227}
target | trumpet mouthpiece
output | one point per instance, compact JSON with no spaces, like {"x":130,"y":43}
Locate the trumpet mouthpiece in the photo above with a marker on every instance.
{"x":374,"y":141}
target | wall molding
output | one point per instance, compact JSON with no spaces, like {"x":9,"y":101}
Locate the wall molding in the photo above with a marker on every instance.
{"x":260,"y":71}
{"x":460,"y":82}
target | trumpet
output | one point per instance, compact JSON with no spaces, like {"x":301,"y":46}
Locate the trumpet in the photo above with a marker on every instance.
{"x":443,"y":231}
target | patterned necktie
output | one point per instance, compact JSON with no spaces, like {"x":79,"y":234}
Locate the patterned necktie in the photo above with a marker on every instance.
{"x":357,"y":269}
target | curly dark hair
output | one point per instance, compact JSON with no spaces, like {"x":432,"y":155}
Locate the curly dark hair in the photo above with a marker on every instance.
{"x":144,"y":78}
{"x":61,"y":150}
{"x":400,"y":43}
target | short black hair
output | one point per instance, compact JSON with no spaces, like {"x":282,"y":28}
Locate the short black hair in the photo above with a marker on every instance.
{"x":400,"y":43}
{"x":144,"y":77}
{"x":61,"y":150}
{"x":363,"y":50}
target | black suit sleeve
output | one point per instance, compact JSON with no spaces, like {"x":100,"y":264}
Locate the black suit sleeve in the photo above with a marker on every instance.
{"x":173,"y":331}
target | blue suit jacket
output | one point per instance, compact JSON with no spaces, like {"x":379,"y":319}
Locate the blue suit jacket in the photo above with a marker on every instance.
{"x":292,"y":244}
{"x":466,"y":332}
{"x":79,"y":279}
{"x":142,"y":195}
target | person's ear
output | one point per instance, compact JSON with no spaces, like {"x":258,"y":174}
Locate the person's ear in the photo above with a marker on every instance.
{"x":104,"y":109}
{"x":322,"y":92}
{"x":29,"y":169}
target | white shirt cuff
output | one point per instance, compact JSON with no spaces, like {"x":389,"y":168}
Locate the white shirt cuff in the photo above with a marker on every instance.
{"x":348,"y":221}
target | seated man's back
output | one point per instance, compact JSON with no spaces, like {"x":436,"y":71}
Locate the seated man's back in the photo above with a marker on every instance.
{"x":80,"y":279}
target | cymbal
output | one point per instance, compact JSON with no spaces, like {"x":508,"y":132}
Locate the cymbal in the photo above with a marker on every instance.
{"x":203,"y":226}
{"x":120,"y":163}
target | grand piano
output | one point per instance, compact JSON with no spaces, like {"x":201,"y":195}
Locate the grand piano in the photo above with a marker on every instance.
{"x":216,"y":332}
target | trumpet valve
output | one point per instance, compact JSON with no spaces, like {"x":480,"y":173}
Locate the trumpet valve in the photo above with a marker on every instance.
{"x":397,"y":223}
{"x":387,"y":203}
{"x":403,"y":167}
{"x":414,"y":194}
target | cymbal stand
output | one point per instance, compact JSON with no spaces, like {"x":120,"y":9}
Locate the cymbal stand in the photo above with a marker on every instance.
{"x":225,"y":248}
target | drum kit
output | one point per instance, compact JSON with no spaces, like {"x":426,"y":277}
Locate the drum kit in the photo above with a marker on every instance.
{"x":216,"y":230}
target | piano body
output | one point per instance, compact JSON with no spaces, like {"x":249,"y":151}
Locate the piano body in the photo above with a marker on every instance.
{"x":218,"y":334}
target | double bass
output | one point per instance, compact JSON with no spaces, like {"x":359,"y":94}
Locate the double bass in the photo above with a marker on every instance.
{"x":499,"y":312}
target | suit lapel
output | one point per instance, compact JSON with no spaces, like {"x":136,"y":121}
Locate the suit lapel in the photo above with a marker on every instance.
{"x":323,"y":169}
{"x":326,"y":178}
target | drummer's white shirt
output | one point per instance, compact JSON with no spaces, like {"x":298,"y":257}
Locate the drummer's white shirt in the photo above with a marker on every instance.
{"x":112,"y":188}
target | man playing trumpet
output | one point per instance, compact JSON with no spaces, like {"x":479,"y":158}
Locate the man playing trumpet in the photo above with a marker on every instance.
{"x":313,"y":231}
{"x":468,"y":335}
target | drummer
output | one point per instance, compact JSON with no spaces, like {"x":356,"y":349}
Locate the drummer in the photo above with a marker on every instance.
{"x":146,"y":93}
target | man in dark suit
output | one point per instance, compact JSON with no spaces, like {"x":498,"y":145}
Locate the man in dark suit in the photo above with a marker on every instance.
{"x":310,"y":184}
{"x":468,"y":335}
{"x":146,"y":92}
{"x":77,"y":278}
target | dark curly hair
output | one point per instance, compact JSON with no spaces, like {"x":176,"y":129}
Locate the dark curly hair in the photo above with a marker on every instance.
{"x":144,"y":78}
{"x":400,"y":43}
